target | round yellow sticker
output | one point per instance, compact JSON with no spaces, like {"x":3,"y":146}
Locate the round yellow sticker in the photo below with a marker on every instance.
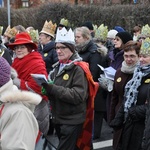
{"x":45,"y":54}
{"x":147,"y":81}
{"x":119,"y":79}
{"x":66,"y":77}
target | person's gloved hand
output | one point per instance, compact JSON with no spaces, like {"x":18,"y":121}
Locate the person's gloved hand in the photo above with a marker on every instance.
{"x":46,"y":87}
{"x":13,"y":73}
{"x":16,"y":81}
{"x":132,"y":113}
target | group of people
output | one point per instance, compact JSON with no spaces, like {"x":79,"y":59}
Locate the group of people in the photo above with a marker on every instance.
{"x":72,"y":102}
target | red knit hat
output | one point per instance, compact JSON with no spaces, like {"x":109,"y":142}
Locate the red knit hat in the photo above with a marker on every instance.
{"x":22,"y":39}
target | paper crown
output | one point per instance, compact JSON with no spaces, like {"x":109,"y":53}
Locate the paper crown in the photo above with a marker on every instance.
{"x":64,"y":36}
{"x":1,"y":30}
{"x":145,"y":31}
{"x":49,"y":28}
{"x":34,"y":35}
{"x":145,"y":47}
{"x":101,"y":32}
{"x":95,"y":27}
{"x":10,"y":32}
{"x":64,"y":22}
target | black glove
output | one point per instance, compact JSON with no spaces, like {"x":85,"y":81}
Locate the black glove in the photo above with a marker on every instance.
{"x":116,"y":124}
{"x":46,"y":88}
{"x":132,"y":114}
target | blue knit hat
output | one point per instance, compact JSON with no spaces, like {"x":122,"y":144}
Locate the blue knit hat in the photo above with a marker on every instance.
{"x":119,"y":29}
{"x":5,"y":71}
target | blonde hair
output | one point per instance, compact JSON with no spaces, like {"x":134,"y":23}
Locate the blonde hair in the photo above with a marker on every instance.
{"x":85,"y":32}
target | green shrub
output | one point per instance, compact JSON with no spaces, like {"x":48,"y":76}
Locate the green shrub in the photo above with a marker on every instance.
{"x":126,"y":16}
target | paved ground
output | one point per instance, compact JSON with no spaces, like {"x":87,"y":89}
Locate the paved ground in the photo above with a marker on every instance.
{"x":104,"y":143}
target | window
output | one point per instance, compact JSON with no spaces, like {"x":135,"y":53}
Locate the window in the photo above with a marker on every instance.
{"x":25,"y":3}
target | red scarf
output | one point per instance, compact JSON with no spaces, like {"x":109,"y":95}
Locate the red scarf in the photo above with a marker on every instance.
{"x":85,"y":140}
{"x":31,"y":63}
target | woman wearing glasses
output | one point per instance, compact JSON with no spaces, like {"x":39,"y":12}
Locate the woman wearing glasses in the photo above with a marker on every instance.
{"x":122,"y":76}
{"x":28,"y":61}
{"x":131,"y":116}
{"x":68,"y":94}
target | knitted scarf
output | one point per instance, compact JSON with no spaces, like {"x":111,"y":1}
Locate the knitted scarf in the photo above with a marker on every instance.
{"x":80,"y":48}
{"x":131,"y":88}
{"x":31,"y":63}
{"x":128,"y":69}
{"x":85,"y":139}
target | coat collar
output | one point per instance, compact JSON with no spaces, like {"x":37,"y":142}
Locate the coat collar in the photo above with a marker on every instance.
{"x":9,"y":93}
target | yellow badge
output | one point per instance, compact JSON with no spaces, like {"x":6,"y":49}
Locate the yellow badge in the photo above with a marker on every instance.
{"x":147,"y":81}
{"x":119,"y":79}
{"x":45,"y":54}
{"x":66,"y":77}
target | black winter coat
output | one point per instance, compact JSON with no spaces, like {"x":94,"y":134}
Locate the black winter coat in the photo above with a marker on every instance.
{"x":5,"y":54}
{"x":49,"y":55}
{"x":133,"y":128}
{"x":146,"y":136}
{"x":90,"y":55}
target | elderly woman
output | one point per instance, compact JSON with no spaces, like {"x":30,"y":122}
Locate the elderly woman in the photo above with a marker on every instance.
{"x":69,"y":92}
{"x":131,"y":116}
{"x":28,"y":61}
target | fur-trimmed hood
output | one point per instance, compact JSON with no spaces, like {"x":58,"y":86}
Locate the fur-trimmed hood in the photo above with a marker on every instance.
{"x":10,"y":93}
{"x":103,"y":50}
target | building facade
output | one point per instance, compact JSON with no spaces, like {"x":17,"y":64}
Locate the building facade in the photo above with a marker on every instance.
{"x":34,"y":3}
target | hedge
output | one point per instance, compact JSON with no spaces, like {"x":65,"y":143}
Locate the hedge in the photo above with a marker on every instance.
{"x":126,"y":16}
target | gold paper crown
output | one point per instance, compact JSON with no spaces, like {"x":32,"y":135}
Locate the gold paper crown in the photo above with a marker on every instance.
{"x":64,"y":22}
{"x":145,"y":47}
{"x":49,"y":28}
{"x":34,"y":35}
{"x":95,"y":27}
{"x":145,"y":31}
{"x":101,"y":32}
{"x":1,"y":30}
{"x":10,"y":32}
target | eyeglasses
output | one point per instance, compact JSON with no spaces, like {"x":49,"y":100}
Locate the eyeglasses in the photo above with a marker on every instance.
{"x":61,"y":47}
{"x":21,"y":47}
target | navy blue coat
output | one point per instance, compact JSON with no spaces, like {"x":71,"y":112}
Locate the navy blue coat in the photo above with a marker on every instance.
{"x":49,"y":55}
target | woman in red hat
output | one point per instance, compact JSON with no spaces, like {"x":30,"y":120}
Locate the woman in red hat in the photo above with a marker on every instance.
{"x":28,"y":61}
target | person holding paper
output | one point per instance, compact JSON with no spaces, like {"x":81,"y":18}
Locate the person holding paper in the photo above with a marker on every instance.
{"x":93,"y":55}
{"x":133,"y":115}
{"x":69,"y":92}
{"x":116,"y":58}
{"x":122,"y":76}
